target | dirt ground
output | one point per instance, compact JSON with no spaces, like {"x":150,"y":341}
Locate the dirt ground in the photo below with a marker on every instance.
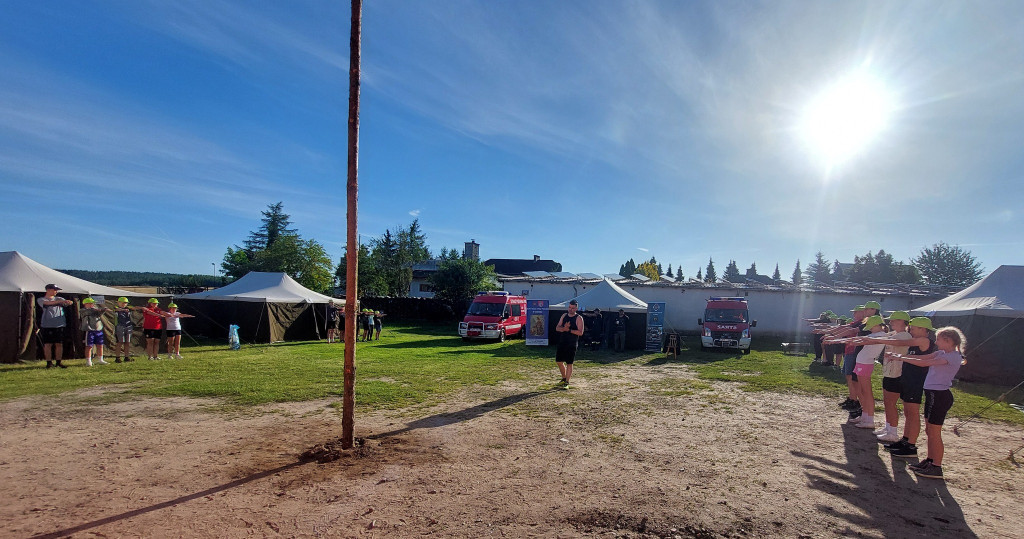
{"x":628,"y":451}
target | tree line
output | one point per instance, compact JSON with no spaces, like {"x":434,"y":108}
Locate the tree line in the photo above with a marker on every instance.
{"x":385,"y":264}
{"x":940,"y":264}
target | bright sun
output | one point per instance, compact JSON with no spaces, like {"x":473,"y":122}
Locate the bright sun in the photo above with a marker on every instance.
{"x":845,"y":117}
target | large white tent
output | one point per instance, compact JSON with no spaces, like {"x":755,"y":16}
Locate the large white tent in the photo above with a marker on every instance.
{"x":267,"y":307}
{"x":22,"y":281}
{"x":606,"y":296}
{"x":991,"y":314}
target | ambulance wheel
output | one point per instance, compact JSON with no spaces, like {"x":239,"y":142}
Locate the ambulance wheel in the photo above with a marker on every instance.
{"x":746,"y":350}
{"x":501,"y":336}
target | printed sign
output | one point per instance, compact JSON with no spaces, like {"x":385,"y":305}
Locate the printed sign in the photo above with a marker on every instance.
{"x":655,"y":326}
{"x":536,"y":322}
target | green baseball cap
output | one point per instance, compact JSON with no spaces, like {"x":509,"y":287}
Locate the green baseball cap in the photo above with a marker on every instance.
{"x":153,"y":300}
{"x":122,"y":299}
{"x":921,"y":322}
{"x":172,"y":305}
{"x":87,"y":301}
{"x":900,"y":315}
{"x":872,"y":305}
{"x":872,"y":321}
{"x":857,"y":308}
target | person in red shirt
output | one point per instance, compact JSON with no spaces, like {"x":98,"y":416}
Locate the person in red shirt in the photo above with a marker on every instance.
{"x":152,"y":326}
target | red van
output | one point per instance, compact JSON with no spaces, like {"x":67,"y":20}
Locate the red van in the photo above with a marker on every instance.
{"x":726,"y":324}
{"x":494,"y":315}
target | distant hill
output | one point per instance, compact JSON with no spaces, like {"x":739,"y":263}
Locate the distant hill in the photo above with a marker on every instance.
{"x":143,"y":278}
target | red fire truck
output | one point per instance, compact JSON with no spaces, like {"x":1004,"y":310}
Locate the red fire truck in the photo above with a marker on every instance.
{"x":726,"y":324}
{"x":494,"y":315}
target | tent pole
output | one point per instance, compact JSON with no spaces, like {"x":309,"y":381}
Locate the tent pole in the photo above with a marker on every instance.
{"x":352,"y":250}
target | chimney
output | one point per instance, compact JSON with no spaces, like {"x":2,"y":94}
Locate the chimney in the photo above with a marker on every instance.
{"x":472,"y":251}
{"x":536,"y":258}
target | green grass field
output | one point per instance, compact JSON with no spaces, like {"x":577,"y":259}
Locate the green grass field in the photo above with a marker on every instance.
{"x":421,"y":364}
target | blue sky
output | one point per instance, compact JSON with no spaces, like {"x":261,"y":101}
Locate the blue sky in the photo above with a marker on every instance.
{"x":148,"y":135}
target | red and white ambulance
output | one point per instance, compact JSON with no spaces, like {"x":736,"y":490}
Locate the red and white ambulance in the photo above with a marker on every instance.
{"x":726,"y":324}
{"x":494,"y":315}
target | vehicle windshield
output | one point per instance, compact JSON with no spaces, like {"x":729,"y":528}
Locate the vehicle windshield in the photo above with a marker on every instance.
{"x":486,"y":309}
{"x":734,"y":316}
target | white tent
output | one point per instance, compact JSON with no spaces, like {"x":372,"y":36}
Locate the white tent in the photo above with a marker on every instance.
{"x":260,"y":286}
{"x":267,"y":307}
{"x":999,"y":294}
{"x":19,"y":273}
{"x":22,"y":281}
{"x":606,"y":296}
{"x":991,"y":314}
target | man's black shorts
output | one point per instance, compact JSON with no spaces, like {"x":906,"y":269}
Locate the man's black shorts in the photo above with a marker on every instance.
{"x":913,"y":383}
{"x":52,"y":335}
{"x":152,"y":333}
{"x":892,"y":385}
{"x":566,"y":354}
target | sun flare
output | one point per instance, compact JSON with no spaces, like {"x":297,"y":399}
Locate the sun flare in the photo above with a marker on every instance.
{"x":846,"y":117}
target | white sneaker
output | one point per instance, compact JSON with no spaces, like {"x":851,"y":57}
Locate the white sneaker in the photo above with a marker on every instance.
{"x":881,"y":430}
{"x":890,"y":436}
{"x":88,"y":363}
{"x":865,"y":423}
{"x":101,"y":362}
{"x":178,"y":356}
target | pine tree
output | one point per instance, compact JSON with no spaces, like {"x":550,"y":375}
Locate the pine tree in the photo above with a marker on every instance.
{"x":732,"y":273}
{"x":275,"y":225}
{"x":798,"y":276}
{"x":752,"y":271}
{"x":709,"y":275}
{"x":818,"y":271}
{"x":679,"y":273}
{"x":668,"y":273}
{"x":776,"y":276}
{"x":837,"y":272}
{"x":699,"y":278}
{"x":947,"y":265}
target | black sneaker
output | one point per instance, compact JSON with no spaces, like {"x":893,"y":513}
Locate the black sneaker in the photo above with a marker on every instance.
{"x":118,"y":360}
{"x":920,"y":465}
{"x":851,"y":406}
{"x":902,"y":442}
{"x":855,"y":414}
{"x":907,"y":451}
{"x":61,"y":365}
{"x":49,"y":364}
{"x":847,"y":402}
{"x":931,"y":470}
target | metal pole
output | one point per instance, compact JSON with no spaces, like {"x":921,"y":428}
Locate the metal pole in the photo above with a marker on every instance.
{"x":352,"y":248}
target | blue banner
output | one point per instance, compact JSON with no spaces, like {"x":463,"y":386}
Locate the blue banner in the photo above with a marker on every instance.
{"x":655,"y":326}
{"x":536,"y":322}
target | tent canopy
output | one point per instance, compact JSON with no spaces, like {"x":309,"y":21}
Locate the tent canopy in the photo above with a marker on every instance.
{"x":999,"y":294}
{"x":260,"y":286}
{"x":19,"y":273}
{"x":606,"y":296}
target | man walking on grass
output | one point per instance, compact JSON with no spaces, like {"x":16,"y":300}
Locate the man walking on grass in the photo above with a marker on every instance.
{"x":570,"y":325}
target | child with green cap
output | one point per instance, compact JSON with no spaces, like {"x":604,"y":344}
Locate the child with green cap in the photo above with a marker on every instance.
{"x":152,"y":326}
{"x":865,"y":365}
{"x":92,"y":321}
{"x":123,"y":330}
{"x":173,"y":319}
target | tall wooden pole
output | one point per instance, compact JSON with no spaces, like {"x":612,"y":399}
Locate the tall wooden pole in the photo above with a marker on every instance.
{"x":352,"y":247}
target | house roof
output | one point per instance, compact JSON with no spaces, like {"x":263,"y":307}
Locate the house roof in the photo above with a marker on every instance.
{"x":515,"y":266}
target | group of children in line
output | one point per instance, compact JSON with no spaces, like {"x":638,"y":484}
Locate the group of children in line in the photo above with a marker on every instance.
{"x":368,"y":324}
{"x":153,"y":321}
{"x":917,"y":360}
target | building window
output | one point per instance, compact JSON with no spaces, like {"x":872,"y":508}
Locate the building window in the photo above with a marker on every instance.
{"x":424,"y":287}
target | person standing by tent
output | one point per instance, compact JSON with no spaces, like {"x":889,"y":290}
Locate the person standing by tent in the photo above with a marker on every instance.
{"x":152,"y":325}
{"x":619,"y":325}
{"x":570,"y":325}
{"x":333,"y":320}
{"x":943,"y":365}
{"x":123,"y":330}
{"x":92,"y":322}
{"x":52,"y":325}
{"x":174,"y":330}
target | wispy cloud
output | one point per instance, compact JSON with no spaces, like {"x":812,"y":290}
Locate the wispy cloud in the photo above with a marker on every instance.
{"x":644,"y":249}
{"x":414,"y":213}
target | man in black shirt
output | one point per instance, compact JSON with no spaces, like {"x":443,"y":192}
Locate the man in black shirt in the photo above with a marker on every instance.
{"x":570,"y":325}
{"x":619,"y":326}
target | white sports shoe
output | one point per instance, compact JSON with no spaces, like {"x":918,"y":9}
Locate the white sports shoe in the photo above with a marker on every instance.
{"x":88,"y":363}
{"x":101,"y":362}
{"x":881,"y":430}
{"x":178,"y":356}
{"x":865,"y":423}
{"x":890,"y":436}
